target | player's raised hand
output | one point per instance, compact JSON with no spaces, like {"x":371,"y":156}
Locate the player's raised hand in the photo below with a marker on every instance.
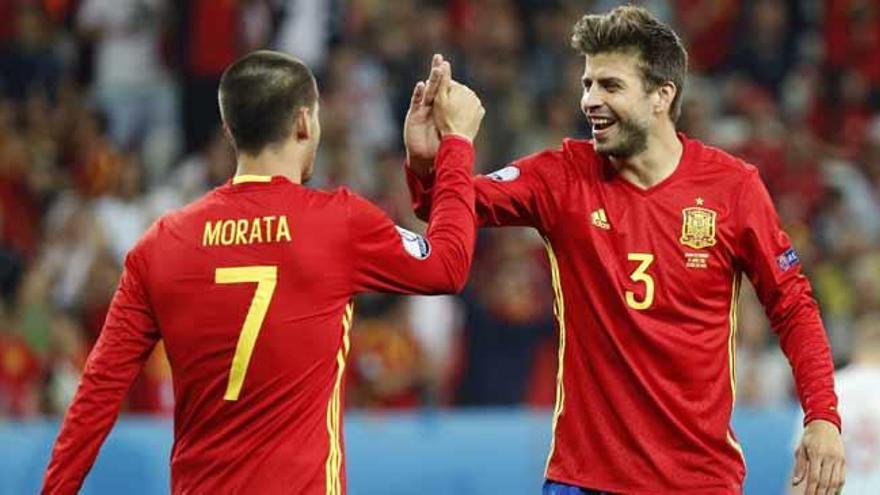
{"x":457,"y":109}
{"x":420,"y":135}
{"x":819,"y":459}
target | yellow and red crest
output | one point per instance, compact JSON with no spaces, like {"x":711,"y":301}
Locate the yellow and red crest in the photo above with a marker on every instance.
{"x":698,"y":227}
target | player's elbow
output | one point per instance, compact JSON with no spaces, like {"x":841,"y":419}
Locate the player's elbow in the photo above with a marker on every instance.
{"x":451,"y":274}
{"x":457,"y":283}
{"x":457,"y":274}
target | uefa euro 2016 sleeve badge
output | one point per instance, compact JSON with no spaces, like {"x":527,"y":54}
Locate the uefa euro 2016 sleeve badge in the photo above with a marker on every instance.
{"x":698,"y":227}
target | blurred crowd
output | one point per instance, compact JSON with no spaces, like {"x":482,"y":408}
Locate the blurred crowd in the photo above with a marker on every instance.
{"x":108,"y":118}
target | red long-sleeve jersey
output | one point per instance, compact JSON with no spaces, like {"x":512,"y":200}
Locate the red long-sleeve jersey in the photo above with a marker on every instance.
{"x":250,"y":289}
{"x":646,"y":285}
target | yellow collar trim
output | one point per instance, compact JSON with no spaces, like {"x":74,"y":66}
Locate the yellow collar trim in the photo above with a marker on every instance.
{"x":241,"y":179}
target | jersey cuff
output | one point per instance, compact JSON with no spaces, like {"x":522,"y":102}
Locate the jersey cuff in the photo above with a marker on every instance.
{"x":460,"y":137}
{"x":454,"y":141}
{"x":830,"y":416}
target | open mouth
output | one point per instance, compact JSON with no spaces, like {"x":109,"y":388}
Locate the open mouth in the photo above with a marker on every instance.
{"x":601,"y":124}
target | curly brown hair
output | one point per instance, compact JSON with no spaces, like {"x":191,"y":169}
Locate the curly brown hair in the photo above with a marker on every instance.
{"x":632,"y":29}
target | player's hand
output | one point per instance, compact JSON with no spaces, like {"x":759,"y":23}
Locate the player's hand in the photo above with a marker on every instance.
{"x":819,"y":459}
{"x":457,"y":109}
{"x":420,"y":135}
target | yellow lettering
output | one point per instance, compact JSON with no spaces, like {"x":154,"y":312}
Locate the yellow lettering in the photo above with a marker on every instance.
{"x":228,"y":234}
{"x":283,"y":229}
{"x":256,"y":235}
{"x":212,"y":234}
{"x":240,"y":231}
{"x":246,"y":231}
{"x":267,"y":223}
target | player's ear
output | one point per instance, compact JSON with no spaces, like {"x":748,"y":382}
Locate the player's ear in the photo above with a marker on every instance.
{"x":302,"y":127}
{"x":665,"y":95}
{"x":227,"y":133}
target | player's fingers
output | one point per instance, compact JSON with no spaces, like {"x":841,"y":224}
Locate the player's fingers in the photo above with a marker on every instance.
{"x":418,"y":95}
{"x":432,"y":86}
{"x":436,"y":60}
{"x":839,"y":476}
{"x":814,"y":471}
{"x":825,"y":476}
{"x":800,"y":466}
{"x":443,"y":85}
{"x":835,"y":483}
{"x":446,"y":67}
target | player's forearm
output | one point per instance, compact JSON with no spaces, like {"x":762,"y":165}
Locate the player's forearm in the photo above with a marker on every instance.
{"x":126,"y":341}
{"x":795,"y":318}
{"x":452,"y":226}
{"x":88,"y":421}
{"x":420,"y":190}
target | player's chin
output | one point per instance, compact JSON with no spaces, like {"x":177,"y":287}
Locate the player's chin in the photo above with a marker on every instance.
{"x":604,"y":146}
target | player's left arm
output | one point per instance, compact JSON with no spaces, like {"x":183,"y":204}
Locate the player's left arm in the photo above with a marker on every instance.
{"x":127,"y":338}
{"x":773,"y":266}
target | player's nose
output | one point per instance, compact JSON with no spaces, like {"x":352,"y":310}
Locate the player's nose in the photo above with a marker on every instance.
{"x":591,"y":101}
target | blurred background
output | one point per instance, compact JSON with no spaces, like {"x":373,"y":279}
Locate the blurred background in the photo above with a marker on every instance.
{"x":108,"y":119}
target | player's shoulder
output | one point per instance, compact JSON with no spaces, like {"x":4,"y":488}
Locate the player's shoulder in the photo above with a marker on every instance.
{"x":551,"y":164}
{"x":578,"y":150}
{"x":570,"y":151}
{"x":174,"y":220}
{"x":341,"y":204}
{"x":716,"y":160}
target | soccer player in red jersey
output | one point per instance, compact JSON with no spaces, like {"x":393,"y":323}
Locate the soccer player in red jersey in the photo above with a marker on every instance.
{"x":250,"y":289}
{"x":649,"y":234}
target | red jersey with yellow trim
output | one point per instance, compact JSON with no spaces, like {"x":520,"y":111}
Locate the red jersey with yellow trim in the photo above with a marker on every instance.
{"x":646,"y":284}
{"x":250,"y":289}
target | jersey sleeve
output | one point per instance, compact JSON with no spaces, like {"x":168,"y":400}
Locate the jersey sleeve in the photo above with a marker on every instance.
{"x":126,"y":340}
{"x":520,"y":194}
{"x":387,"y":258}
{"x":773,"y":266}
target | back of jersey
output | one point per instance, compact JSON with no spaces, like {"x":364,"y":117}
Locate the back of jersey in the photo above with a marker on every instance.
{"x":250,"y":289}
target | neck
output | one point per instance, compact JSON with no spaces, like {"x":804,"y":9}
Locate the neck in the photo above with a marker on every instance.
{"x":288,"y":160}
{"x":657,"y":162}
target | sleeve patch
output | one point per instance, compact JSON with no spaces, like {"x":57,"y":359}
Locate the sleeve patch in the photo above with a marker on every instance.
{"x":788,"y":259}
{"x":506,"y":174}
{"x":416,"y":245}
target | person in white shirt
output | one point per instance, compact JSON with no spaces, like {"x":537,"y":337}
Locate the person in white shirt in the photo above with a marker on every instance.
{"x":132,"y":85}
{"x":858,"y":388}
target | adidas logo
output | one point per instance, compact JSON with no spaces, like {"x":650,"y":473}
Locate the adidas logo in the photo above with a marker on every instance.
{"x":600,"y":220}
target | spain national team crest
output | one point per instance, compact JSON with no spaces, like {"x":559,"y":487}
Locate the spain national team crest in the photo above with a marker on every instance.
{"x":698,"y":227}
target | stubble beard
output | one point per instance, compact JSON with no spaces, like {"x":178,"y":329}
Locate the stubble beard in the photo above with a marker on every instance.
{"x":630,"y":140}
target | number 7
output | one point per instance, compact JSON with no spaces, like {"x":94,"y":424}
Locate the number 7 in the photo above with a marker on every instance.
{"x":266,"y":278}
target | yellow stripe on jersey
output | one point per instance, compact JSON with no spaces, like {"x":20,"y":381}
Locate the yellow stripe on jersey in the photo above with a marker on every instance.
{"x":333,"y":466}
{"x":559,"y":312}
{"x":731,"y":353}
{"x":241,"y":179}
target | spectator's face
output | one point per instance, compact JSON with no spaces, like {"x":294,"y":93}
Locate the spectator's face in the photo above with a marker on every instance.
{"x":616,"y":104}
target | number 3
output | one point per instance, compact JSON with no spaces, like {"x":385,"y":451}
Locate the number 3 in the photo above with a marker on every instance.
{"x":266,"y":278}
{"x":640,"y":275}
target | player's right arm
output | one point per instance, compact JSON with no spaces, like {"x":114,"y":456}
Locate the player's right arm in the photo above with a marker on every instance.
{"x":126,"y":341}
{"x":389,"y":259}
{"x":519,"y":194}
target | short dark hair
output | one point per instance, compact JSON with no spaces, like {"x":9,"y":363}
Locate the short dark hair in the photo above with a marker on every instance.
{"x":633,"y":29}
{"x":260,"y":94}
